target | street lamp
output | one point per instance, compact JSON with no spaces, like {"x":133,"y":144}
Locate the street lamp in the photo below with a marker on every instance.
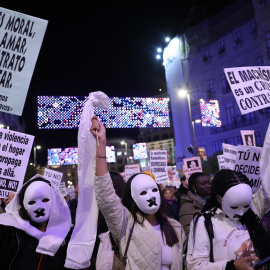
{"x":124,"y":143}
{"x":184,"y":93}
{"x":35,"y":153}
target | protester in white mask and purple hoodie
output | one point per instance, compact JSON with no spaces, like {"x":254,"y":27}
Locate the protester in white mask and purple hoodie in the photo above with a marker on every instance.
{"x":157,"y":242}
{"x":227,"y":234}
{"x":35,"y":230}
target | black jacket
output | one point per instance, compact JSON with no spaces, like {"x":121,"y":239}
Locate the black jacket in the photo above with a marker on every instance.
{"x":18,"y":251}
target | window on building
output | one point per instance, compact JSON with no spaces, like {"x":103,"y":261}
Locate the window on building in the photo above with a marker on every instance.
{"x":156,"y":138}
{"x":171,"y":135}
{"x":237,"y":38}
{"x":198,"y":129}
{"x":258,"y":139}
{"x":119,"y":160}
{"x":119,"y":153}
{"x":210,"y":89}
{"x":164,"y":136}
{"x":253,"y":28}
{"x":260,"y":61}
{"x":149,"y":139}
{"x":194,"y":99}
{"x":225,"y":85}
{"x":267,"y":37}
{"x":206,"y":56}
{"x":221,"y":47}
{"x":230,"y":114}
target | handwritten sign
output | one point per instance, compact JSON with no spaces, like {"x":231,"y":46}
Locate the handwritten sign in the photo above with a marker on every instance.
{"x":229,"y":155}
{"x":131,"y":169}
{"x":15,"y":149}
{"x":54,"y":176}
{"x":250,"y":86}
{"x":21,"y":37}
{"x":62,"y":188}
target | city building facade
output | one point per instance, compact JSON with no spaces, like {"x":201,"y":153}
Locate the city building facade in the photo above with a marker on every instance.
{"x":238,"y":36}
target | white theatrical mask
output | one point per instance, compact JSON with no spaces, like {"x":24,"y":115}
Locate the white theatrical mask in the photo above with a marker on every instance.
{"x":236,"y":201}
{"x":37,"y":201}
{"x":145,"y":193}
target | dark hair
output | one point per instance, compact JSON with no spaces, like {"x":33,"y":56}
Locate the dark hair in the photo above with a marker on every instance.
{"x":183,"y":178}
{"x":224,"y":180}
{"x":118,"y":182}
{"x":22,"y":211}
{"x":166,"y":228}
{"x":192,"y":180}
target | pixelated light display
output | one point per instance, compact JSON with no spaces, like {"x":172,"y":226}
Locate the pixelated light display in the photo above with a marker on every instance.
{"x":210,"y":113}
{"x":110,"y":154}
{"x":62,"y":156}
{"x":139,"y":151}
{"x":64,"y":112}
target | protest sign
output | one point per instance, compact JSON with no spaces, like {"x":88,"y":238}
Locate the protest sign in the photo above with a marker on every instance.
{"x":131,"y":169}
{"x":15,"y":149}
{"x":229,"y":155}
{"x":250,"y":86}
{"x":62,"y":188}
{"x":54,"y":176}
{"x":173,"y":176}
{"x":248,"y":162}
{"x":162,"y":178}
{"x":248,"y":137}
{"x":221,"y":162}
{"x":21,"y":37}
{"x":192,"y":165}
{"x":71,"y":192}
{"x":158,"y":161}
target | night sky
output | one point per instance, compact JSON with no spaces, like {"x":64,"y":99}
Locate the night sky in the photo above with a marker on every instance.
{"x":101,"y":47}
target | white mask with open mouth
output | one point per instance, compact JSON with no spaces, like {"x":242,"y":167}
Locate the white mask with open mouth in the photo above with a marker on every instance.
{"x":236,"y":201}
{"x":145,"y":193}
{"x":37,"y":201}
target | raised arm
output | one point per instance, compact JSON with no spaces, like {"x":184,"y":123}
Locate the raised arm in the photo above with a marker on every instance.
{"x":99,"y":132}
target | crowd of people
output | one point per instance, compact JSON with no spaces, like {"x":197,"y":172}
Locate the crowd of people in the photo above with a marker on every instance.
{"x":204,"y":224}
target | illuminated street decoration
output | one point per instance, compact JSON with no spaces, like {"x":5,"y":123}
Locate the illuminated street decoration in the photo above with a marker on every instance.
{"x":210,"y":113}
{"x":64,"y":112}
{"x":62,"y":156}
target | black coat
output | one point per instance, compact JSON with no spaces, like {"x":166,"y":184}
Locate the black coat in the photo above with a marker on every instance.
{"x":18,"y":251}
{"x":172,"y":210}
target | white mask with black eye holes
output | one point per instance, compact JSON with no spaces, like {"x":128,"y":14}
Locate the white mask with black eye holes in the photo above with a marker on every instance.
{"x":145,"y":193}
{"x":37,"y":201}
{"x":236,"y":201}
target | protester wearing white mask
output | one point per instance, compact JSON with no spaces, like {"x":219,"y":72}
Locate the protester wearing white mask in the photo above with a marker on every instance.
{"x":238,"y":238}
{"x":35,"y":230}
{"x":157,"y":242}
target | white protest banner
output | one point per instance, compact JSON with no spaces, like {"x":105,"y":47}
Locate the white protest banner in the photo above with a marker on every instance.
{"x":229,"y":155}
{"x":158,"y":161}
{"x":248,"y":162}
{"x":54,"y":176}
{"x":221,"y":162}
{"x":15,"y":149}
{"x":131,"y":169}
{"x":248,"y":137}
{"x":162,"y":178}
{"x":192,"y":165}
{"x":21,"y":37}
{"x":250,"y":86}
{"x":62,"y":188}
{"x":71,"y":192}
